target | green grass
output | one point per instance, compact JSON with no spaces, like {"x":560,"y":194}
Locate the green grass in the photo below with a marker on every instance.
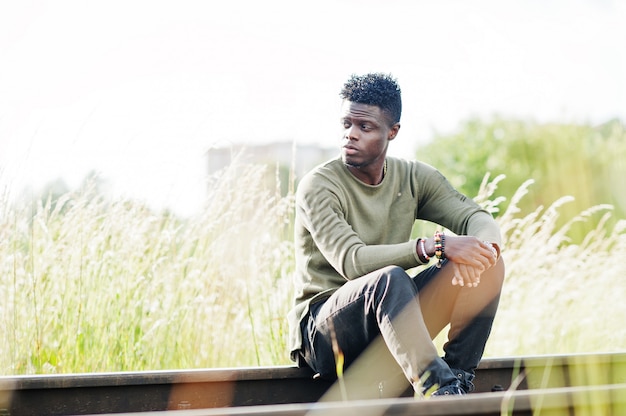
{"x":93,"y":285}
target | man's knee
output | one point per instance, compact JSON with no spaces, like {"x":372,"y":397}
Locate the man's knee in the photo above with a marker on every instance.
{"x":394,"y":280}
{"x":497,"y":272}
{"x":393,"y":271}
{"x":395,"y":275}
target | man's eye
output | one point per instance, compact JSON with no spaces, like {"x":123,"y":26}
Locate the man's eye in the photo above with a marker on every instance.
{"x":366,"y":127}
{"x":346,"y":125}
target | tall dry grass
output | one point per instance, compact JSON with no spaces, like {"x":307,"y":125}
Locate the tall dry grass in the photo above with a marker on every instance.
{"x":93,"y":285}
{"x":559,"y":297}
{"x":90,"y":284}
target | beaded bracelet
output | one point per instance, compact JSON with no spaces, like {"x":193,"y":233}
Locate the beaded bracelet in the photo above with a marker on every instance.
{"x":440,"y":243}
{"x":423,"y":247}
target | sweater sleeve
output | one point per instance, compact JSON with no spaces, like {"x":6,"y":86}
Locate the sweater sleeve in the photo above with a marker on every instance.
{"x":322,"y":216}
{"x":483,"y":226}
{"x":440,"y":203}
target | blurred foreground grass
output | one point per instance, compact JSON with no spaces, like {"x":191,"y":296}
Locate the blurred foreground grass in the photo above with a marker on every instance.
{"x":93,"y":285}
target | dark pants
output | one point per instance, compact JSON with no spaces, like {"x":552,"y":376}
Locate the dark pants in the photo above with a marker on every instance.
{"x":407,"y":313}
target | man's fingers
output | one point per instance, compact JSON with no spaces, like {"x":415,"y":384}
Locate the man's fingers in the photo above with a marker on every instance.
{"x":465,"y":275}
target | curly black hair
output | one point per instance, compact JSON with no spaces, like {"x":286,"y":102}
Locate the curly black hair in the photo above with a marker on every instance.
{"x":377,"y":89}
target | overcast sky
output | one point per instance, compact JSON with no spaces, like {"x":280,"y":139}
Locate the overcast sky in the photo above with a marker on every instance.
{"x":140,"y":90}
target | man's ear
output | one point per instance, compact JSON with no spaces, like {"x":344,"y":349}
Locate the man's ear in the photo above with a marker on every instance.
{"x":393,"y":132}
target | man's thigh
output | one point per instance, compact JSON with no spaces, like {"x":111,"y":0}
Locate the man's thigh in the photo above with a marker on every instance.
{"x":347,"y":322}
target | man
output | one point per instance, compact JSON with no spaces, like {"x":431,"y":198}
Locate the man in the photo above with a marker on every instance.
{"x":354,"y":217}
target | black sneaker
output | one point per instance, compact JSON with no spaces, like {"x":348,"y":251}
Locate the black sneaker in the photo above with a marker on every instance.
{"x":452,"y":389}
{"x":466,"y":379}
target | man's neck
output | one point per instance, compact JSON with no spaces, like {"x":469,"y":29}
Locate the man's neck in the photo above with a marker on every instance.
{"x":372,"y":174}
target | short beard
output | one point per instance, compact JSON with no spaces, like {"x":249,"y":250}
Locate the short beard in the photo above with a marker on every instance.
{"x":354,"y":165}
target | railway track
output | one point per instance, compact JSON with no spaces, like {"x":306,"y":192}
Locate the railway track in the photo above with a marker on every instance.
{"x":559,"y":384}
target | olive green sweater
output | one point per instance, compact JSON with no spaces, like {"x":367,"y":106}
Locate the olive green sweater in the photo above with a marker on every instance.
{"x":345,"y":228}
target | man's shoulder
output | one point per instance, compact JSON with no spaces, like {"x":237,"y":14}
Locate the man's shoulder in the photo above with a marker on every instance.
{"x":409,"y":166}
{"x":325,"y":171}
{"x":333,"y":174}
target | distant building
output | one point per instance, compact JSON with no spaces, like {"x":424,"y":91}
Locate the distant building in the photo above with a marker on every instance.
{"x":303,"y":157}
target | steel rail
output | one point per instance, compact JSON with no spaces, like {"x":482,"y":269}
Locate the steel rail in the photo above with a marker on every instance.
{"x":586,"y":400}
{"x":242,"y":389}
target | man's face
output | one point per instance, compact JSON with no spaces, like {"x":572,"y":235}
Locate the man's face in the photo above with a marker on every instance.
{"x":366,"y":134}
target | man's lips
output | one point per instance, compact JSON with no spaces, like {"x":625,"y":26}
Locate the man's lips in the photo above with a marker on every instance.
{"x":349,"y":149}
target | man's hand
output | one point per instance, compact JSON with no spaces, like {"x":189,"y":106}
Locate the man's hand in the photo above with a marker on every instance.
{"x":470,"y":257}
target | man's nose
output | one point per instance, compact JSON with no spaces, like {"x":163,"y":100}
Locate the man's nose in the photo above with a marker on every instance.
{"x":351,"y":133}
